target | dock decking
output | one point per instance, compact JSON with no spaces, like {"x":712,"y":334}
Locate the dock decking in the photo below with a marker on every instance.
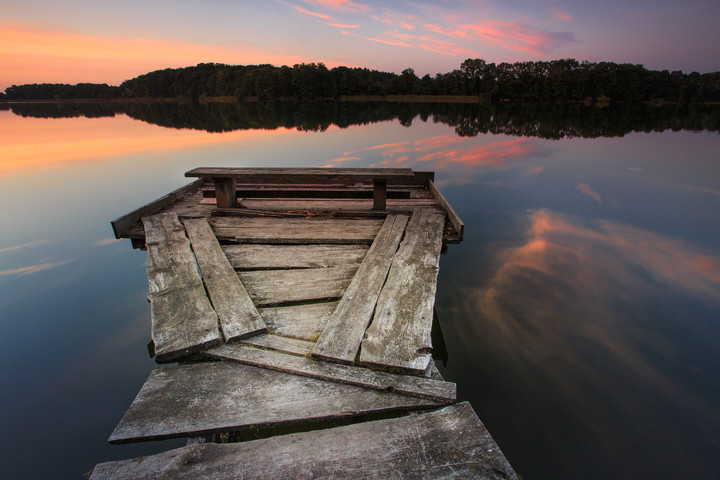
{"x":299,"y":297}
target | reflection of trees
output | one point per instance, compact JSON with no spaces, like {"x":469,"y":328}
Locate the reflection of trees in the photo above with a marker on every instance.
{"x":533,"y":120}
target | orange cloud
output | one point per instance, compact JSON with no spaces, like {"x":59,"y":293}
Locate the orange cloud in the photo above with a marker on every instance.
{"x":312,"y":14}
{"x":31,"y":54}
{"x":22,"y":271}
{"x":340,"y":25}
{"x":390,"y":42}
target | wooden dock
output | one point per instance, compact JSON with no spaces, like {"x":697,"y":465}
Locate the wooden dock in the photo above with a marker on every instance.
{"x":299,"y":297}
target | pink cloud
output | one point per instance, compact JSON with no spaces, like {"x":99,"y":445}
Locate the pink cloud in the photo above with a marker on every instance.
{"x":519,"y":37}
{"x":396,"y":43}
{"x":586,"y":190}
{"x":340,"y":25}
{"x":312,"y":14}
{"x":340,"y":5}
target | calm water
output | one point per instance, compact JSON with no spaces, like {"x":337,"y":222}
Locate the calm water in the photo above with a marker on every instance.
{"x":581,"y":314}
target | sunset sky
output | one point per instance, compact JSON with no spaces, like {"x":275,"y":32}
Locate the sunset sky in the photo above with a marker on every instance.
{"x":108,"y":42}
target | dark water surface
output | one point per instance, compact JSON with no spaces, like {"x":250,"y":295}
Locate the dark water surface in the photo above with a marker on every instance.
{"x":581,"y":314}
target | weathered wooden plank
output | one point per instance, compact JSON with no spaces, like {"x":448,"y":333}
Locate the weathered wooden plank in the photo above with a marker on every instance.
{"x":276,"y":287}
{"x":202,"y":398}
{"x":399,"y":335}
{"x":448,"y":443}
{"x":336,"y":205}
{"x":183,"y":321}
{"x":305,"y":322}
{"x":310,"y":191}
{"x":236,"y":311}
{"x":299,"y":175}
{"x":280,"y":344}
{"x":454,"y":218}
{"x":263,"y":257}
{"x":340,"y":341}
{"x":413,"y":386}
{"x":295,"y":230}
{"x":121,"y":226}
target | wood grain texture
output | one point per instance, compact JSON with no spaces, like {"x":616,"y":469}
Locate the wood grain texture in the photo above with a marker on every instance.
{"x":198,"y":399}
{"x":399,"y":336}
{"x":280,"y":344}
{"x":235,"y":309}
{"x":299,"y":175}
{"x":277,"y":287}
{"x":183,"y":321}
{"x":454,"y":218}
{"x":275,"y":257}
{"x":305,"y":322}
{"x":410,"y":385}
{"x":296,"y":231}
{"x":340,"y":341}
{"x":450,"y":443}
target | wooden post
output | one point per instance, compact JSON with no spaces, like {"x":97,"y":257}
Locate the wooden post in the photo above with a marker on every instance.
{"x":379,"y":193}
{"x":225,"y":192}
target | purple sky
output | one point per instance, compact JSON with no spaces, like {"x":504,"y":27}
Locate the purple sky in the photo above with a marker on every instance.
{"x":96,"y":41}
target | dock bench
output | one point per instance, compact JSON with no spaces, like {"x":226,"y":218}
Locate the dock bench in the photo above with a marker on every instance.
{"x":225,"y":179}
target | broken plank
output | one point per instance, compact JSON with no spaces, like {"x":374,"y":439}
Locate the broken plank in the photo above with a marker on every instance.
{"x":295,"y":230}
{"x":305,"y":322}
{"x":182,"y":319}
{"x":280,"y":344}
{"x":236,"y":311}
{"x":277,"y":287}
{"x":399,"y":336}
{"x":340,"y":341}
{"x":198,"y":399}
{"x":413,"y":386}
{"x":448,"y":443}
{"x":263,"y":257}
{"x":455,"y":221}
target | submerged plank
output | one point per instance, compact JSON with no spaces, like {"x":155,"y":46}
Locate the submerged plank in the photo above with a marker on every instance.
{"x":281,"y":230}
{"x":399,"y":335}
{"x":197,"y":399}
{"x":447,"y":443}
{"x":261,"y":257}
{"x":275,"y":287}
{"x":236,"y":311}
{"x":299,"y":321}
{"x":340,"y":341}
{"x":413,"y":386}
{"x":183,"y":321}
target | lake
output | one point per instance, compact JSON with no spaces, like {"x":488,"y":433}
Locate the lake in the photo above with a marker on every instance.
{"x":580,"y":316}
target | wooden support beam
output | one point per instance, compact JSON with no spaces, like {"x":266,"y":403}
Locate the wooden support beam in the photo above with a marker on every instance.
{"x":379,"y":193}
{"x":225,"y":192}
{"x":410,"y":385}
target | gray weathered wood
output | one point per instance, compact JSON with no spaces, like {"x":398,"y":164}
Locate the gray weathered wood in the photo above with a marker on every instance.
{"x":447,"y":443}
{"x":297,"y":231}
{"x":236,"y":311}
{"x":260,"y":257}
{"x":399,"y":335}
{"x":413,"y":386}
{"x":335,"y":205}
{"x":299,"y":175}
{"x":305,"y":322}
{"x":183,"y":321}
{"x":197,"y":399}
{"x":276,"y":287}
{"x":454,"y":218}
{"x":122,"y":226}
{"x":340,"y":341}
{"x":280,"y":344}
{"x":225,"y":193}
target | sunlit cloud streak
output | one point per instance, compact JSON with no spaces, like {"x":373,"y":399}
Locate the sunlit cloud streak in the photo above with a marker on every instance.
{"x":22,"y":271}
{"x":586,"y":190}
{"x":339,"y":5}
{"x":24,"y":245}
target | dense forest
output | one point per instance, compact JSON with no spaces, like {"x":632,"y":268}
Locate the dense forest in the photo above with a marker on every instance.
{"x":544,"y":120}
{"x":553,"y":81}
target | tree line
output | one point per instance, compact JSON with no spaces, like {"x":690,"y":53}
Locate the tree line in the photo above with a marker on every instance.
{"x":565,"y":80}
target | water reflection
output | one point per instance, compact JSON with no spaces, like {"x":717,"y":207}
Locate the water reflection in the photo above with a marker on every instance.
{"x":584,"y":315}
{"x":469,"y":120}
